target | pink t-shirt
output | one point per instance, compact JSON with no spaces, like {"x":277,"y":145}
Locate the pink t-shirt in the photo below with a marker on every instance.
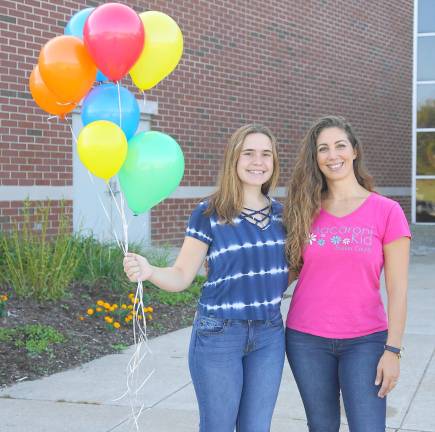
{"x":337,"y":294}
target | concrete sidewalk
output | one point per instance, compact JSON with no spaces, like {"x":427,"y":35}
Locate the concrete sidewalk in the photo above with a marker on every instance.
{"x":83,"y":399}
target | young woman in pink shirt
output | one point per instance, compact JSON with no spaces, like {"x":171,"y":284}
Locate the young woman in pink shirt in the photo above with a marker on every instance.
{"x":340,"y":235}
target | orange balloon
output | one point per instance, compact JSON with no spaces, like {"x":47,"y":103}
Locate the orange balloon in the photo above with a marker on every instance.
{"x":66,"y":68}
{"x":44,"y":98}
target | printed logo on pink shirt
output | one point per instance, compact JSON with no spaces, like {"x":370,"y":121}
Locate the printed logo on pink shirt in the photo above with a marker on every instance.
{"x":343,"y":237}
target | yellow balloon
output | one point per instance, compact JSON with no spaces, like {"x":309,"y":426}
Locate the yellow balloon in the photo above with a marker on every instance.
{"x":102,"y":148}
{"x":162,"y":50}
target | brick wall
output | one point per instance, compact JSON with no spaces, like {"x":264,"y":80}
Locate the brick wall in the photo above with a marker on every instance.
{"x":278,"y":62}
{"x":12,"y":215}
{"x":405,"y":203}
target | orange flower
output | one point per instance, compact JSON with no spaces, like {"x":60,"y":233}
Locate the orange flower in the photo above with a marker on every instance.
{"x":108,"y":319}
{"x":100,"y":303}
{"x":90,"y":311}
{"x":123,"y":306}
{"x":98,"y":309}
{"x":116,"y":325}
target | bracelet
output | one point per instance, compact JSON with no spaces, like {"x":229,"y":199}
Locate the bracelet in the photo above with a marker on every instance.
{"x":397,"y":351}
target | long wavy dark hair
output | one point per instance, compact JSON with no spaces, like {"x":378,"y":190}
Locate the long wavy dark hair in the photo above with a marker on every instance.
{"x":307,"y":183}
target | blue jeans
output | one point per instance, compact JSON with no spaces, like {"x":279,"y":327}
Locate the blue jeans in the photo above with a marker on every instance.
{"x":236,"y":368}
{"x":322,"y":367}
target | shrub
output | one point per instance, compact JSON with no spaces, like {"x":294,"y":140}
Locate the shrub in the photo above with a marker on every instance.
{"x":101,"y":263}
{"x":35,"y":265}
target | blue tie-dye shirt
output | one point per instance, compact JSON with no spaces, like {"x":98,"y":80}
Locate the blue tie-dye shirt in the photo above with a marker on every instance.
{"x":247,"y":269}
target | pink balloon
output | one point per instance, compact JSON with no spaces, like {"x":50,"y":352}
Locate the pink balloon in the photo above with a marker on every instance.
{"x":114,"y":36}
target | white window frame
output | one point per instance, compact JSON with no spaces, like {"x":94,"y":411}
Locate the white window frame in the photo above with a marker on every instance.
{"x":415,"y":130}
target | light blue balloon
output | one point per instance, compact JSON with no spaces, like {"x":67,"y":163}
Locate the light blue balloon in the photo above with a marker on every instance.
{"x":75,"y":27}
{"x":101,"y":77}
{"x":102,"y":103}
{"x":76,"y":23}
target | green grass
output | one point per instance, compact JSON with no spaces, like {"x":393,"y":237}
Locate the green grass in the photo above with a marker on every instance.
{"x":119,"y":347}
{"x":35,"y":338}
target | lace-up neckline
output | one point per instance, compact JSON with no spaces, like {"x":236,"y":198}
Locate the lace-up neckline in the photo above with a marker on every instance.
{"x":260,"y":218}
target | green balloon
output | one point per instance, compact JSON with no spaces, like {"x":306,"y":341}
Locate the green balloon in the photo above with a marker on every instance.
{"x":152,"y":170}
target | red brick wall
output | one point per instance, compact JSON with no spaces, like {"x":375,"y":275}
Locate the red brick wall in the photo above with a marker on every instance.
{"x":12,"y":215}
{"x":168,"y":226}
{"x":282,"y":63}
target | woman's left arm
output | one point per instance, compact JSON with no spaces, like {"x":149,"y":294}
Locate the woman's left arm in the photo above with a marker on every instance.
{"x":396,"y":263}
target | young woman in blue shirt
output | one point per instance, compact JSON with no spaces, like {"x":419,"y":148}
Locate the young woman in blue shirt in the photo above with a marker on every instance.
{"x":236,"y":352}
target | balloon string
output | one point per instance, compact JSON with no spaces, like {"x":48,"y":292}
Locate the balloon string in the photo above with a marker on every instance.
{"x":121,"y":212}
{"x":119,"y":105}
{"x":142,"y":349}
{"x":144,"y":99}
{"x":112,"y":228}
{"x":64,"y":103}
{"x":73,"y":134}
{"x":124,"y":221}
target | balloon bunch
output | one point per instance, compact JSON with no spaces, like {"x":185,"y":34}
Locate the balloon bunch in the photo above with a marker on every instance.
{"x":100,"y":45}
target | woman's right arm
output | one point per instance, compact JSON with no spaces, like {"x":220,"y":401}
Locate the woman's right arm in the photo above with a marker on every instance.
{"x":175,"y":278}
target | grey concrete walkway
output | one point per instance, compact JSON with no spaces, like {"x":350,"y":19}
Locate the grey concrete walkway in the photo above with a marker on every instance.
{"x":83,"y":399}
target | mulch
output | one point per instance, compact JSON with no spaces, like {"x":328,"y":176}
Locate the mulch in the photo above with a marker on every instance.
{"x":86,"y":338}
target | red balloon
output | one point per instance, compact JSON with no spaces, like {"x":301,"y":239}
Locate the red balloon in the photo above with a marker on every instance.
{"x":114,"y":36}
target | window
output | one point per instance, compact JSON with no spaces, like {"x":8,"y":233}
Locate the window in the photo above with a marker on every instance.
{"x":424,"y":124}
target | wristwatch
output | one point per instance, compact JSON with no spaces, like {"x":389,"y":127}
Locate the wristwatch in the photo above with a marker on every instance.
{"x":397,"y":351}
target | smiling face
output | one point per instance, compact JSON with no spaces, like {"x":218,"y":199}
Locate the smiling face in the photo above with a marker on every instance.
{"x":335,"y":154}
{"x":255,"y":163}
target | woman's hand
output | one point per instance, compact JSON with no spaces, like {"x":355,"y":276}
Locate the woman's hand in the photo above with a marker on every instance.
{"x":387,"y":373}
{"x":137,"y":268}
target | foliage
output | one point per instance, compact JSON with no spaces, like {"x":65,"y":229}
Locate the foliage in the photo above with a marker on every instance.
{"x":117,"y":316}
{"x":35,"y":264}
{"x":3,"y":300}
{"x":101,"y":263}
{"x":189,"y":295}
{"x":36,"y":338}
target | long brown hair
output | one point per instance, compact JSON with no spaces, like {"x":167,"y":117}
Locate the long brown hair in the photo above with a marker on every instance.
{"x":227,"y":201}
{"x":307,"y":184}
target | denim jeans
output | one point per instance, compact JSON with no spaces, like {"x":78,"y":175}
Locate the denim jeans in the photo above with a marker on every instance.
{"x":236,"y":368}
{"x":323,"y":367}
